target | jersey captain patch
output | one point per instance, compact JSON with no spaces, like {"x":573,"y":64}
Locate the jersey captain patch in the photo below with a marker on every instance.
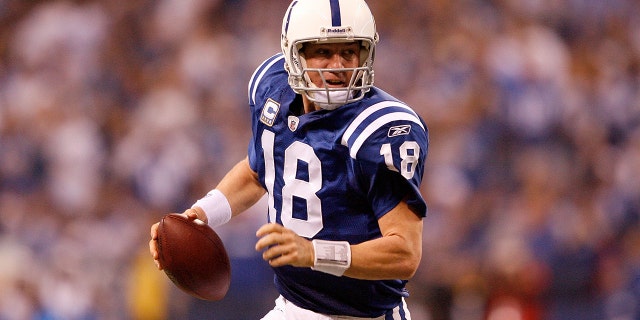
{"x":269,"y":112}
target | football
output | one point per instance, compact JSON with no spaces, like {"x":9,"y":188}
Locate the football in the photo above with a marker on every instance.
{"x":193,"y":257}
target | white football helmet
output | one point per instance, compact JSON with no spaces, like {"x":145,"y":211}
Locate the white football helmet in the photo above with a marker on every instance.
{"x":329,"y":21}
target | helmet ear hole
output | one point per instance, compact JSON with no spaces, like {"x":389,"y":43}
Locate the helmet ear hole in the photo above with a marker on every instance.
{"x":364,"y":54}
{"x":367,"y":51}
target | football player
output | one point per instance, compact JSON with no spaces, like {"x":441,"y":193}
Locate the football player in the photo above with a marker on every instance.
{"x":341,"y":162}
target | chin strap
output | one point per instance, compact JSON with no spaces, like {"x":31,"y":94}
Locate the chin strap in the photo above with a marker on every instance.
{"x":329,"y":100}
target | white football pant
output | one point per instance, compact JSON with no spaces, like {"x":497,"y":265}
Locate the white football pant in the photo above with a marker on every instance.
{"x":285,"y":310}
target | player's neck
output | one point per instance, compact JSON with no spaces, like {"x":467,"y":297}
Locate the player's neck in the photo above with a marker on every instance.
{"x":309,"y":106}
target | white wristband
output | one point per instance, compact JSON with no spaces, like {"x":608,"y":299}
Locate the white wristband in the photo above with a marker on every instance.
{"x":216,"y":207}
{"x":332,"y":257}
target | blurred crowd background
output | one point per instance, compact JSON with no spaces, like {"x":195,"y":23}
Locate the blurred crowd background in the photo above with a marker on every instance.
{"x":115,"y":112}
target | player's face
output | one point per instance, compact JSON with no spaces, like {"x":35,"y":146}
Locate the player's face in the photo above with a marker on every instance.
{"x":332,"y":56}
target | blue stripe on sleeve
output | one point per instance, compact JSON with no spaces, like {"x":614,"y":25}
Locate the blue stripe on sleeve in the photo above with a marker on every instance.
{"x":259,"y":73}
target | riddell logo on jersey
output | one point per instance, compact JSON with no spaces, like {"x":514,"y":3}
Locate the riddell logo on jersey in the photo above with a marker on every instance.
{"x":269,"y":112}
{"x":399,"y":131}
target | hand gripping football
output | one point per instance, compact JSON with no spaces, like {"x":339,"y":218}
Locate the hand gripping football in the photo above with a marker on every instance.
{"x":193,"y":257}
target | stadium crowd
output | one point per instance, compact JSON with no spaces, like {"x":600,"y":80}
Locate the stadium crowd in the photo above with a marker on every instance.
{"x":113,"y":113}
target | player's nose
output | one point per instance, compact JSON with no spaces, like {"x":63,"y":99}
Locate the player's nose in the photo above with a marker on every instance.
{"x":336,"y":61}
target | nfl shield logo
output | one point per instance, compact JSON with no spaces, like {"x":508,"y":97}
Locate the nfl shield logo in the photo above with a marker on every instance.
{"x":293,"y":123}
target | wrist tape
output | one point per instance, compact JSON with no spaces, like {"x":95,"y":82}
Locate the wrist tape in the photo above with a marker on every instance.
{"x":332,"y":257}
{"x":216,"y":206}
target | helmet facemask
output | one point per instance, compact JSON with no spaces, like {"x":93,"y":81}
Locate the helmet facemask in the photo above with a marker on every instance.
{"x":327,"y":97}
{"x":313,"y":21}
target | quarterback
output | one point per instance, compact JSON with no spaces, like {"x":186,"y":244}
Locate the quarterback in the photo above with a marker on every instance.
{"x":341,"y":162}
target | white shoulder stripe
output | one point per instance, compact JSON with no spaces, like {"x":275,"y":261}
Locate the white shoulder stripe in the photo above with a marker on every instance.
{"x":367,"y":112}
{"x":375,"y":125}
{"x":255,"y":81}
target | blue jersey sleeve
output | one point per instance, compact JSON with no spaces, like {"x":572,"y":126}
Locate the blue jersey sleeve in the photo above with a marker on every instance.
{"x":388,"y":143}
{"x":268,"y":78}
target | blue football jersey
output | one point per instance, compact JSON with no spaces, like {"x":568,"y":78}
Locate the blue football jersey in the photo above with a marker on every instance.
{"x":331,"y":175}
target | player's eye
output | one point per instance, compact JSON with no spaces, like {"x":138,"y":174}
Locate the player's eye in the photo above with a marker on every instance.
{"x":348,"y":54}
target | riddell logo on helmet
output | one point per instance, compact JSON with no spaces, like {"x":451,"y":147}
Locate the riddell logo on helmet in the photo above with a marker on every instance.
{"x":336,"y":31}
